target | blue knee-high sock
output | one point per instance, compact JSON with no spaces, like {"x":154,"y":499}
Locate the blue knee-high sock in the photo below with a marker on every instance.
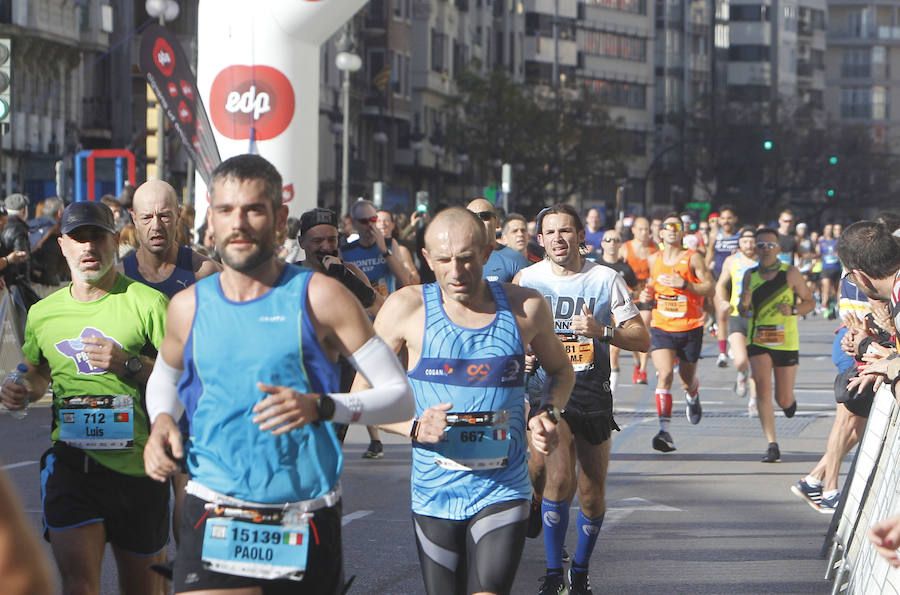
{"x":588,"y":530}
{"x":555,"y":516}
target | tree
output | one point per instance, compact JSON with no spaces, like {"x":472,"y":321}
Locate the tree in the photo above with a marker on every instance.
{"x":561,"y":142}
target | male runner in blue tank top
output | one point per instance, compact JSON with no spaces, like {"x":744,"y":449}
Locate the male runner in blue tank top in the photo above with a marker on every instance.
{"x":159,"y":261}
{"x":504,"y":262}
{"x":725,"y":244}
{"x":262,"y":511}
{"x":374,"y":254}
{"x":592,"y":308}
{"x":464,"y":343}
{"x":166,"y":267}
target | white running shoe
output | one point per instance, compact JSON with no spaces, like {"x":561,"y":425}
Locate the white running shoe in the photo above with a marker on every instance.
{"x":740,"y":385}
{"x":751,"y":407}
{"x":722,"y":360}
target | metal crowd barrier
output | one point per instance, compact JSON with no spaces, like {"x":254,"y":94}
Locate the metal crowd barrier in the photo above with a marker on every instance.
{"x":870,"y":494}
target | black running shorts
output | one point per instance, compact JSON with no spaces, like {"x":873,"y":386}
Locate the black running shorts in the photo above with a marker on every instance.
{"x":685,"y":344}
{"x":133,"y":510}
{"x":780,"y":358}
{"x":595,"y":427}
{"x":324,"y":568}
{"x":478,"y":554}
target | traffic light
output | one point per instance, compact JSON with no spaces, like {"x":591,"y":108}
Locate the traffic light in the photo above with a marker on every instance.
{"x":833,"y":160}
{"x":768,"y":145}
{"x":5,"y":79}
{"x":830,"y":193}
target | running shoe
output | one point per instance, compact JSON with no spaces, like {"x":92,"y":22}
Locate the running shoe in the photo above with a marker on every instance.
{"x":751,"y":407}
{"x":693,"y":411}
{"x":828,"y":505}
{"x":663,"y":442}
{"x":722,"y":360}
{"x":641,"y":377}
{"x":740,"y":385}
{"x":809,"y":494}
{"x":579,"y":583}
{"x":790,"y":411}
{"x":375,"y":450}
{"x":636,"y":375}
{"x":773,"y":455}
{"x":552,"y":584}
{"x":534,"y":519}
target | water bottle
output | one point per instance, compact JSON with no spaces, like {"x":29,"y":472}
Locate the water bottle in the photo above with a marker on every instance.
{"x":18,"y":377}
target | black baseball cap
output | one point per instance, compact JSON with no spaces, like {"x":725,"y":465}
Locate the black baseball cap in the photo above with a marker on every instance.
{"x":89,"y":212}
{"x":318,"y":216}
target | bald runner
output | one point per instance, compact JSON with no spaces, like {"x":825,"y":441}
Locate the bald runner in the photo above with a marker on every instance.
{"x":159,"y":261}
{"x":463,"y":341}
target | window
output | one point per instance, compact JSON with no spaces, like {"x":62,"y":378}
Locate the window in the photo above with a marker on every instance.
{"x":619,"y":93}
{"x":633,"y":6}
{"x":615,"y":45}
{"x":438,"y":45}
{"x":748,"y":53}
{"x":749,"y":13}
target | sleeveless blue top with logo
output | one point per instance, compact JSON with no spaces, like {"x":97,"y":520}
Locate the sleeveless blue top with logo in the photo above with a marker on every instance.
{"x":476,"y":370}
{"x":231,"y":347}
{"x":372,"y":263}
{"x":724,"y":246}
{"x":181,"y":277}
{"x":606,"y":296}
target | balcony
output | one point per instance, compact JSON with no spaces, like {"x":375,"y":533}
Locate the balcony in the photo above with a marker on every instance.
{"x":845,"y":32}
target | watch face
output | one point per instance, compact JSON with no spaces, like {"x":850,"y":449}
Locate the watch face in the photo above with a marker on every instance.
{"x":134,"y":365}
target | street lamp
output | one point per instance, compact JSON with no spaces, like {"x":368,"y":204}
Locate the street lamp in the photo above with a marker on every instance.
{"x":164,"y":10}
{"x":347,"y":62}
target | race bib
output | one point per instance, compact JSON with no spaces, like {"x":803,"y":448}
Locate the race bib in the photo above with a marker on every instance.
{"x":830,"y":259}
{"x":672,"y":306}
{"x":474,"y":441}
{"x":97,"y":422}
{"x":263,"y":550}
{"x":580,"y":351}
{"x":769,"y":334}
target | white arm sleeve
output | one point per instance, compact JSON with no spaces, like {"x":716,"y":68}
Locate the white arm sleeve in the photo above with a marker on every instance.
{"x":389,"y":400}
{"x":162,"y":391}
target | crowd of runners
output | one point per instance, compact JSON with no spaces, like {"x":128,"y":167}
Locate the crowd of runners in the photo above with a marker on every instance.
{"x":493,"y":341}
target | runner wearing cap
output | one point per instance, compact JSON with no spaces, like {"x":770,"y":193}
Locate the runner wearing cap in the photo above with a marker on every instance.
{"x":91,"y":339}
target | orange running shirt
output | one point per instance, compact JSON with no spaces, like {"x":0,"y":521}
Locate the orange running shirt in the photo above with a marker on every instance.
{"x":676,"y":310}
{"x":639,"y":265}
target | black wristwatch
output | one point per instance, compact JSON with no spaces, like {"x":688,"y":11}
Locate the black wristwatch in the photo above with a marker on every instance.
{"x":553,"y":412}
{"x":133,"y":365}
{"x":607,"y":335}
{"x":325,"y":408}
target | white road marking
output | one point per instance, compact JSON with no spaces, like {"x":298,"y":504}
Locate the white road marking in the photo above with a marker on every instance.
{"x":619,"y":510}
{"x":353,"y":516}
{"x":16,"y":465}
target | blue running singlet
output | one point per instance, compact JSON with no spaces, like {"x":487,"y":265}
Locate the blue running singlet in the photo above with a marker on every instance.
{"x":231,"y":347}
{"x":503,"y":264}
{"x":478,"y":370}
{"x":372,"y":263}
{"x":181,"y":277}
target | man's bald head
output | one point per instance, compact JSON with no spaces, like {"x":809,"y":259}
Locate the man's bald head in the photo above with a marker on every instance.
{"x":480,"y":205}
{"x":155,"y":189}
{"x":155,"y":213}
{"x":455,"y":218}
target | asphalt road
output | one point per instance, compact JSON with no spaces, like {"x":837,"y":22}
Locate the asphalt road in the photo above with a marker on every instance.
{"x":707,"y":518}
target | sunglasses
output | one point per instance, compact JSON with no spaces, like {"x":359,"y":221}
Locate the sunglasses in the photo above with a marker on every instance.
{"x":485,"y":215}
{"x":612,"y":240}
{"x":372,"y":219}
{"x":766,"y":245}
{"x":672,"y":226}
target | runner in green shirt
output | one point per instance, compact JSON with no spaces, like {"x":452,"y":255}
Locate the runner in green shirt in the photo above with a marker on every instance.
{"x":95,"y":340}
